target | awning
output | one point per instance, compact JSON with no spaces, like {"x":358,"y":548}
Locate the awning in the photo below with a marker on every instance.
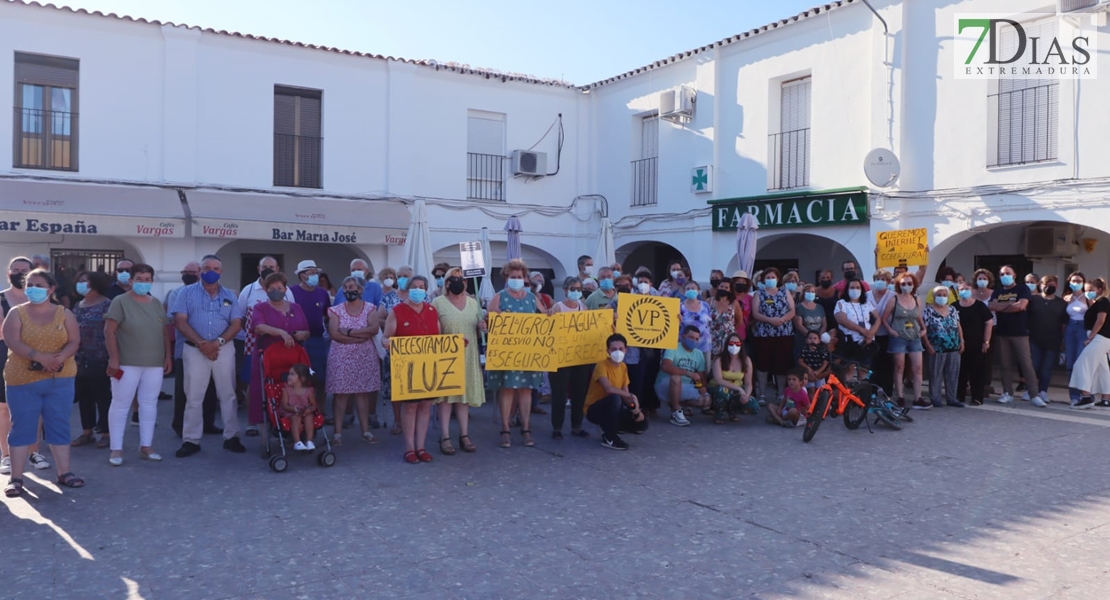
{"x":253,"y":216}
{"x":54,"y":207}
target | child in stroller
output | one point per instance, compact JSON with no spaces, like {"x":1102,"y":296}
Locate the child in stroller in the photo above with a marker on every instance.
{"x":298,"y":404}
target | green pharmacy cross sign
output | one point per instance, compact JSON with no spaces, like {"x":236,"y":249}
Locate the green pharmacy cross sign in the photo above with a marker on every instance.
{"x":832,"y":207}
{"x":701,"y":180}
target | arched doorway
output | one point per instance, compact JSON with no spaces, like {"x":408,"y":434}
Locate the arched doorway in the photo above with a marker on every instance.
{"x":806,"y":252}
{"x":656,"y":256}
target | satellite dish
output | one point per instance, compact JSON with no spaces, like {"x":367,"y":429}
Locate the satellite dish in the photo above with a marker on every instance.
{"x":882,"y":167}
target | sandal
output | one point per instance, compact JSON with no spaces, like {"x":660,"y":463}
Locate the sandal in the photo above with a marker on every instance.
{"x":526,"y":434}
{"x":84,"y":438}
{"x":423,"y":455}
{"x":734,"y":418}
{"x":467,"y":446}
{"x":396,"y":429}
{"x":506,"y":439}
{"x":582,"y":433}
{"x":14,"y":489}
{"x":719,"y":420}
{"x":369,"y":437}
{"x":445,"y":447}
{"x":70,"y":480}
{"x":410,"y":457}
{"x":337,"y":439}
{"x":103,"y":442}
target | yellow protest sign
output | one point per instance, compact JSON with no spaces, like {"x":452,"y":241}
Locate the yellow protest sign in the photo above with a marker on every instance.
{"x":520,"y":342}
{"x":648,"y":321}
{"x":427,"y":366}
{"x":903,"y":247}
{"x":580,"y":337}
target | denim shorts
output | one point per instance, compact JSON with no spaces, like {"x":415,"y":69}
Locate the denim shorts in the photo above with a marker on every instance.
{"x":51,"y":399}
{"x":900,"y":345}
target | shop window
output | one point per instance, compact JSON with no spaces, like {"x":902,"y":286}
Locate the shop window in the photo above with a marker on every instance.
{"x":297,"y":143}
{"x":45,"y":120}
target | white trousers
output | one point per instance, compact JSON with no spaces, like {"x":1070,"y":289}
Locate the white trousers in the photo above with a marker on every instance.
{"x":147,"y":381}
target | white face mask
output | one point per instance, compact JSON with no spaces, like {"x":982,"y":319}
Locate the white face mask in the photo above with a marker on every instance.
{"x":588,"y":269}
{"x":388,"y":281}
{"x":644,"y":288}
{"x":734,"y":350}
{"x":617,"y":356}
{"x":676,"y":274}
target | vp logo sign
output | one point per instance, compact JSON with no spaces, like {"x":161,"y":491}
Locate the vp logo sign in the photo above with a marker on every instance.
{"x":989,"y":46}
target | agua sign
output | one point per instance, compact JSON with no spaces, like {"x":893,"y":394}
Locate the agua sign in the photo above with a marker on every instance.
{"x":807,"y":210}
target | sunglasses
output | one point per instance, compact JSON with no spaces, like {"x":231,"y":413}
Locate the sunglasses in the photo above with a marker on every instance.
{"x":735,"y":344}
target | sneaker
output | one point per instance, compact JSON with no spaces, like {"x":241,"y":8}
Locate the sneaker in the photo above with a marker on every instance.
{"x":309,"y":446}
{"x":613,"y":443}
{"x":187,"y":449}
{"x":299,"y":446}
{"x":38,"y":461}
{"x":801,"y":421}
{"x":234,"y":445}
{"x":957,"y":404}
{"x":677,"y":418}
{"x":1038,"y":402}
{"x":1005,"y":398}
{"x":1044,"y":396}
{"x":920,"y":404}
{"x":1084,"y":403}
{"x":6,"y":465}
{"x":1025,"y":395}
{"x":938,"y":404}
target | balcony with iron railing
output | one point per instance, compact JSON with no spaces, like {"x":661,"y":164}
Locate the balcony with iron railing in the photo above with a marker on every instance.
{"x":645,"y":181}
{"x":485,"y":176}
{"x":45,"y":139}
{"x":788,"y":160}
{"x":1027,"y":125}
{"x":298,"y":161}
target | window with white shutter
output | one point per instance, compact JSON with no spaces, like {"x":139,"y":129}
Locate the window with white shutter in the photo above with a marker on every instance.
{"x":45,"y":132}
{"x":298,"y":144}
{"x":485,"y":156}
{"x":645,"y":170}
{"x":1028,"y":110}
{"x":788,"y":149}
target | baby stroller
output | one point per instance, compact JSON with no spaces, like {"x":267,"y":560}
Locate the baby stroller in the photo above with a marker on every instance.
{"x":276,"y":362}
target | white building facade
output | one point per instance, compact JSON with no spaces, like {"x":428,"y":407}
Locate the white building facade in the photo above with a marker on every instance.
{"x":162,"y":143}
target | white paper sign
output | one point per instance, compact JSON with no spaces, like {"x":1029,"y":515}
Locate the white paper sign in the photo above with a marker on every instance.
{"x":472,"y":261}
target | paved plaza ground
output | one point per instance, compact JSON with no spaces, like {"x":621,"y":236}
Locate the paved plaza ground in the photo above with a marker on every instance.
{"x":991,"y":502}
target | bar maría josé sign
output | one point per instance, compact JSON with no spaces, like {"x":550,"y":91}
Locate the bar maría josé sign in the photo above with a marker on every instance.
{"x":836,"y":207}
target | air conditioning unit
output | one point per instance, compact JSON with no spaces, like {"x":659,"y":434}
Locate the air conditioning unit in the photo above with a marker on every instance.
{"x":1081,"y":6}
{"x":677,"y":105}
{"x":529,"y":164}
{"x":1048,"y":241}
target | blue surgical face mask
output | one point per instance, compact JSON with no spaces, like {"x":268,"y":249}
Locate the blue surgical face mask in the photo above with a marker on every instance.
{"x":879,"y":285}
{"x":515,"y":284}
{"x":576,"y":295}
{"x":1007,"y":280}
{"x":790,"y":287}
{"x":616,"y":274}
{"x":1090,"y":295}
{"x":982,"y":283}
{"x":606,"y":284}
{"x":1032,"y":287}
{"x":37,"y":295}
{"x":948,"y":283}
{"x":854,"y":293}
{"x":809,"y":296}
{"x":770,"y":283}
{"x":313,"y":280}
{"x":402,"y":283}
{"x":439,"y":281}
{"x":688,"y":343}
{"x":418,"y":295}
{"x":1075,"y":287}
{"x":359,"y":274}
{"x":123,"y":278}
{"x":82,"y":288}
{"x":965,"y":294}
{"x":210,"y":277}
{"x":691,"y":294}
{"x":141,"y":288}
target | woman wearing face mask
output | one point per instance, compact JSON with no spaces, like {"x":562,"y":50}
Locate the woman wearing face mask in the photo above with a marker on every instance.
{"x":946,"y":276}
{"x":826,"y":295}
{"x":353,"y":362}
{"x":882,"y":363}
{"x":732,"y":383}
{"x":694,"y":312}
{"x":275,"y":321}
{"x":858,"y":321}
{"x":460,"y":314}
{"x":387,"y":277}
{"x":644,"y":283}
{"x":139,"y":340}
{"x":902,"y":319}
{"x":944,"y":341}
{"x":675,"y":285}
{"x":977,"y":324}
{"x":414,"y":317}
{"x":722,"y":315}
{"x":515,"y":387}
{"x":773,"y":311}
{"x":1075,"y":332}
{"x":790,"y":282}
{"x":545,"y":301}
{"x":42,"y":339}
{"x":1048,"y":318}
{"x":570,"y":382}
{"x":93,"y":386}
{"x":807,"y":317}
{"x":983,"y":281}
{"x":395,"y":293}
{"x":1092,"y":373}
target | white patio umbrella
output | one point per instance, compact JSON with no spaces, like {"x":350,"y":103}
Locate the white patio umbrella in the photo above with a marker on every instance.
{"x":418,"y":245}
{"x":746,"y":240}
{"x":606,"y":250}
{"x":485,"y":291}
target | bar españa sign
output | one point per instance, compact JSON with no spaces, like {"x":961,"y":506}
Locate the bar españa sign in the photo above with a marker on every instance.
{"x":838,"y":207}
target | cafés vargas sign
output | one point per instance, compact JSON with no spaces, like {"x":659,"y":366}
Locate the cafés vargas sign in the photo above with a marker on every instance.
{"x":837,"y":207}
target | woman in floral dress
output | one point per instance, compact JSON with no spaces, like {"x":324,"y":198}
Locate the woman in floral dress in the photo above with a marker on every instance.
{"x":722,"y":315}
{"x":695,"y":312}
{"x":353,"y":363}
{"x":515,"y":387}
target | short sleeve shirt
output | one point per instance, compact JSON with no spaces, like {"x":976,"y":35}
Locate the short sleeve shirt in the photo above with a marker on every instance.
{"x":617,"y":374}
{"x":1012,"y":324}
{"x":209,"y":315}
{"x":313,"y":302}
{"x":688,"y":360}
{"x":140,"y":332}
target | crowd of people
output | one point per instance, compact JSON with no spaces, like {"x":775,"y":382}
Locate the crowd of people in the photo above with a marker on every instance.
{"x":747,"y":341}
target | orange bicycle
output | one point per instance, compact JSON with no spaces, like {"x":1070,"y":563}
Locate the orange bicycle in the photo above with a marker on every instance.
{"x":855,"y":405}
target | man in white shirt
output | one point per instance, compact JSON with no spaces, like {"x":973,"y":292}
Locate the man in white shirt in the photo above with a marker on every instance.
{"x":254,"y":293}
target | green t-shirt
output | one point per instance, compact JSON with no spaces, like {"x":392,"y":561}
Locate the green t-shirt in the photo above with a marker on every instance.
{"x":140,"y":332}
{"x":599,"y":300}
{"x":689,"y":360}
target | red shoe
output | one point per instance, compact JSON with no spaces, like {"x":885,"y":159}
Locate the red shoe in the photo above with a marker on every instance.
{"x":410,"y":457}
{"x":423,"y":456}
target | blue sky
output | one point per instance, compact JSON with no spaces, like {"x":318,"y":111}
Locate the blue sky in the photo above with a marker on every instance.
{"x":581,"y":41}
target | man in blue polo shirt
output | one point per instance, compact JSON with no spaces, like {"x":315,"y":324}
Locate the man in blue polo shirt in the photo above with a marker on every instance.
{"x":208,"y":316}
{"x":371,"y":290}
